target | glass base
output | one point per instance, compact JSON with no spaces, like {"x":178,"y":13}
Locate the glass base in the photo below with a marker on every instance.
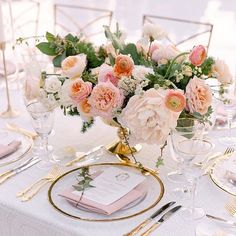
{"x":180,"y":193}
{"x":195,"y":214}
{"x":176,"y":177}
{"x":228,"y":140}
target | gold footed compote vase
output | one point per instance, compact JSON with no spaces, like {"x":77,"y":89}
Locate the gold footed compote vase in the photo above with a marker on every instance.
{"x":121,"y":148}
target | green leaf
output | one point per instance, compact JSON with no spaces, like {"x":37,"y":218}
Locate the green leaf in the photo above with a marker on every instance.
{"x":132,"y":50}
{"x":58,"y":59}
{"x":71,"y":38}
{"x":50,"y":37}
{"x":78,"y":188}
{"x":46,"y":48}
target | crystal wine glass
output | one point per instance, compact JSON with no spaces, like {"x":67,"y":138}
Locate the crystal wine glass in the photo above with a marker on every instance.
{"x":188,"y":143}
{"x":228,"y":101}
{"x":42,"y":118}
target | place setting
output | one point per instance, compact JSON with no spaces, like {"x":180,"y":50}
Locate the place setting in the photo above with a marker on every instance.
{"x":104,"y":122}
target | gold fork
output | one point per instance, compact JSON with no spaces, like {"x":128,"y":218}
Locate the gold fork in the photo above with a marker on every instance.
{"x":207,"y":166}
{"x":34,"y":188}
{"x":16,"y":128}
{"x":231,"y":206}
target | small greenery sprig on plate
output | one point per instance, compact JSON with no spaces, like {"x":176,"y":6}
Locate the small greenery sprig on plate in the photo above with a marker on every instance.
{"x":84,"y":180}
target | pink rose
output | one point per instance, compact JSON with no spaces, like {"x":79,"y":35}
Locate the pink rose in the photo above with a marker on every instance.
{"x":199,"y":96}
{"x":104,"y":98}
{"x":175,"y":100}
{"x":106,"y":74}
{"x":197,"y":55}
{"x":79,"y":90}
{"x":148,"y":118}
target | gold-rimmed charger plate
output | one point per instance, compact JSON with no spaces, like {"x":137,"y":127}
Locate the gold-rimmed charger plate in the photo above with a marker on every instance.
{"x":26,"y":145}
{"x":217,"y":175}
{"x":154,"y":194}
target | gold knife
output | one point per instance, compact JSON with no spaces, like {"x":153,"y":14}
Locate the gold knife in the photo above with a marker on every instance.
{"x":161,"y":221}
{"x":77,"y":159}
{"x":221,"y":219}
{"x":148,"y":220}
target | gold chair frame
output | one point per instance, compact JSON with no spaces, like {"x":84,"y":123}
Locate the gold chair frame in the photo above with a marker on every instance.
{"x":80,"y":29}
{"x":149,"y":18}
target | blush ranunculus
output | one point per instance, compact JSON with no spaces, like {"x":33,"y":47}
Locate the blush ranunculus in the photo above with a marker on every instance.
{"x":79,"y":90}
{"x":175,"y":100}
{"x":104,"y":99}
{"x":148,"y":118}
{"x":123,"y":66}
{"x":198,"y":95}
{"x":106,"y":74}
{"x":197,"y":55}
{"x":73,"y":66}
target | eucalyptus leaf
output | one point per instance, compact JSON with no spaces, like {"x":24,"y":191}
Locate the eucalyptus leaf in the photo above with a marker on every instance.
{"x":50,"y":37}
{"x":58,"y":59}
{"x":46,"y":48}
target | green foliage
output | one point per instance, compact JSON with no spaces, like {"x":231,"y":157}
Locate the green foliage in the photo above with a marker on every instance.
{"x":68,"y":46}
{"x":130,"y":49}
{"x":84,"y":179}
{"x":207,"y":65}
{"x":87,"y":125}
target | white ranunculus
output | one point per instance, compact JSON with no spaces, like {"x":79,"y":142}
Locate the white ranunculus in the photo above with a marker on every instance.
{"x":63,"y":94}
{"x":153,"y":31}
{"x":73,"y":66}
{"x":52,"y":84}
{"x":139,"y":72}
{"x":221,"y":71}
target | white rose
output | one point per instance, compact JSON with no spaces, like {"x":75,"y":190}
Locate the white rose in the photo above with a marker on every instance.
{"x":220,"y":70}
{"x":52,"y":84}
{"x":139,"y":72}
{"x":73,"y":66}
{"x":153,"y":31}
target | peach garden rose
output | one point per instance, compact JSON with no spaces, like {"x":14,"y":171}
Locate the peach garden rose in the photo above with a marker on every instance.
{"x":148,"y":118}
{"x":199,"y":96}
{"x":79,"y":90}
{"x":104,"y":99}
{"x":73,"y":66}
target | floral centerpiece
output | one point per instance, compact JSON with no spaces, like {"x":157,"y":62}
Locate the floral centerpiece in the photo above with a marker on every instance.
{"x":144,"y":87}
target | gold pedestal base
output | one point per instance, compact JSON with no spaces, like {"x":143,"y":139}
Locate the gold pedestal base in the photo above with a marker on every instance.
{"x":9,"y":113}
{"x":122,"y":148}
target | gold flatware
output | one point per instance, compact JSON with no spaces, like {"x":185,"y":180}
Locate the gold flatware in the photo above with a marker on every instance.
{"x":16,"y":128}
{"x":221,"y":219}
{"x":34,"y":188}
{"x":8,"y":174}
{"x":77,"y":159}
{"x":228,"y":152}
{"x":231,"y":207}
{"x":166,"y":216}
{"x":149,"y":220}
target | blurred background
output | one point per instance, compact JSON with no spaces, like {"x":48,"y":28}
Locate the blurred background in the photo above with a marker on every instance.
{"x":187,"y":23}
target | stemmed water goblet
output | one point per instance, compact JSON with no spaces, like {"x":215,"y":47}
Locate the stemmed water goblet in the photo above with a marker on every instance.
{"x":188,"y":144}
{"x":42,"y":118}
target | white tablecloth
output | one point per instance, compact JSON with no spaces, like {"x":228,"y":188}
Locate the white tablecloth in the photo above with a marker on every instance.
{"x":37,"y":217}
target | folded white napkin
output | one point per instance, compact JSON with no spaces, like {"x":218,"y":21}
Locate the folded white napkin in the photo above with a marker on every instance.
{"x":6,"y":150}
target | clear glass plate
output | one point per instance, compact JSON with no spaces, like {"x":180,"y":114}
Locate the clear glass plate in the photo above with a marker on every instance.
{"x":155,"y":191}
{"x":26,"y":144}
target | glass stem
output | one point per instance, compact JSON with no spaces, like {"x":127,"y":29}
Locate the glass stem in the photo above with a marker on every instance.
{"x":193,"y":194}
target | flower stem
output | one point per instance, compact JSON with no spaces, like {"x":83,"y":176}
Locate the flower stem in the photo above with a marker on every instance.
{"x":172,"y":63}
